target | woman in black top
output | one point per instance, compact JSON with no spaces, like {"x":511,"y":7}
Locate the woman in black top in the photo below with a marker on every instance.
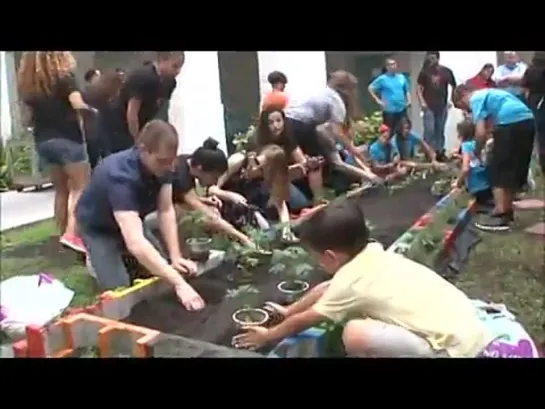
{"x":52,"y":103}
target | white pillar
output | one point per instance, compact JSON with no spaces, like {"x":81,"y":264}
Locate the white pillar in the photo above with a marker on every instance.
{"x":306,"y":71}
{"x":464,"y":65}
{"x":195,"y":107}
{"x":5,"y":117}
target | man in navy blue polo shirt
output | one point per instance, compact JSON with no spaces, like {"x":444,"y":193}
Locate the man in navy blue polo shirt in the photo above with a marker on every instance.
{"x":124,"y":188}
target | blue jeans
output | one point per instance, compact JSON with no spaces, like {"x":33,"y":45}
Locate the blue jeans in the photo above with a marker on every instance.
{"x":434,"y":128}
{"x":297,"y":199}
{"x":106,"y":251}
{"x":60,"y":152}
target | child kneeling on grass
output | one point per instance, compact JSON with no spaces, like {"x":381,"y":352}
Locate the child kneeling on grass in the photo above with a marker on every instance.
{"x":397,"y":307}
{"x":474,"y":174}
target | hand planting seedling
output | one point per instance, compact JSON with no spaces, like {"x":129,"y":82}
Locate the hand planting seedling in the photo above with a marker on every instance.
{"x":248,"y":314}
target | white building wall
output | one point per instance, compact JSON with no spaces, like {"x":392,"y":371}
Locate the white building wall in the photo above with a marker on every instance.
{"x":464,"y":65}
{"x":306,"y":71}
{"x":195,"y":107}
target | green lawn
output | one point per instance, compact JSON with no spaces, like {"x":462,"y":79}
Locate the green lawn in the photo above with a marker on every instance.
{"x":34,"y":249}
{"x":509,"y":268}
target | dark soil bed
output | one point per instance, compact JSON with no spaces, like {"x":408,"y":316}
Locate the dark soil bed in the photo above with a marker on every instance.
{"x":214,"y":323}
{"x":391,"y":214}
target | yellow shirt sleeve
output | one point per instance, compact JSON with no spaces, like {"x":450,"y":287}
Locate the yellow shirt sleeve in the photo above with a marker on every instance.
{"x":338,"y":301}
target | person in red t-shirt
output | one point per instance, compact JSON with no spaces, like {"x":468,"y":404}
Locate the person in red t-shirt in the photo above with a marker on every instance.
{"x":483,"y":79}
{"x":277,"y":98}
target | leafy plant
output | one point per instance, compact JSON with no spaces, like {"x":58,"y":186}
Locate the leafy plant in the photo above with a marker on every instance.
{"x":241,"y":139}
{"x":293,"y":263}
{"x":366,"y":129}
{"x":192,"y":224}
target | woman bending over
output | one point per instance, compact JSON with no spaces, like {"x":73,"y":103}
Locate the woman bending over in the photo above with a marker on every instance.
{"x":206,"y":165}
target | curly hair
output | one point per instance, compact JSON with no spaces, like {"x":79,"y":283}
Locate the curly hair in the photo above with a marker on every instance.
{"x":40,"y":70}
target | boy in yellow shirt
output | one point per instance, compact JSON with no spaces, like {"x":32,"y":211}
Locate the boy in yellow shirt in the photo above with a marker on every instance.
{"x":395,"y":306}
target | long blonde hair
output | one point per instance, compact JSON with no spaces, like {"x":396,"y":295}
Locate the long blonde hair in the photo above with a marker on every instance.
{"x":39,"y":71}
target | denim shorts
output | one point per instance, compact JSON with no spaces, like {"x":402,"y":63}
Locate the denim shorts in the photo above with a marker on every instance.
{"x":60,"y":152}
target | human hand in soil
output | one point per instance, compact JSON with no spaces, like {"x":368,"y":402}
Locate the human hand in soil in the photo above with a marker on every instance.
{"x":191,"y":300}
{"x":185,"y":266}
{"x":253,"y":338}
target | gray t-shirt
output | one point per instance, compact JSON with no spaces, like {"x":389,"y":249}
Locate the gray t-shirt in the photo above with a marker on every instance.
{"x":327,"y":106}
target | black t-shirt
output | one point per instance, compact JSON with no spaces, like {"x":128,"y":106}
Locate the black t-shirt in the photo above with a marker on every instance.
{"x":534,"y":81}
{"x":53,"y":115}
{"x":143,"y":83}
{"x":287,"y":143}
{"x":434,"y":83}
{"x":182,"y":180}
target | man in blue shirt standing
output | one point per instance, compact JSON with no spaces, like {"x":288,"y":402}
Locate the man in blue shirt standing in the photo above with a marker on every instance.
{"x":513,"y":142}
{"x":391,"y":91}
{"x":124,"y":188}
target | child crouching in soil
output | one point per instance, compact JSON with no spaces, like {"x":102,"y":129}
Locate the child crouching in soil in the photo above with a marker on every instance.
{"x":397,"y":308}
{"x":385,"y":156}
{"x":474,"y":174}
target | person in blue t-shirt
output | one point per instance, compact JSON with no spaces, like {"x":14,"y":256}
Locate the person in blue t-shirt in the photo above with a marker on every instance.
{"x":124,"y":188}
{"x":385,"y":156}
{"x":513,"y":143}
{"x":407,"y":142}
{"x":474,"y":174}
{"x":391,"y":91}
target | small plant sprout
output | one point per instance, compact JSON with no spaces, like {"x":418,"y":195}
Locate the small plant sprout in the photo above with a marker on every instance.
{"x":192,"y":224}
{"x":247,"y":292}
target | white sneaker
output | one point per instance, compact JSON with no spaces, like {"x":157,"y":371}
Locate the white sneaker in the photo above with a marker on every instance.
{"x":90,"y":268}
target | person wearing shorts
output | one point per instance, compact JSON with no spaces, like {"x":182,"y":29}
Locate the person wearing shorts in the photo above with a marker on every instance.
{"x":513,"y":143}
{"x":124,"y":188}
{"x":317,"y":123}
{"x":52,"y":106}
{"x":390,"y":305}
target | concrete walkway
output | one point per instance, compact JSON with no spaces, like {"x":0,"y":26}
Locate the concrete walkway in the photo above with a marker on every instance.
{"x":20,"y":208}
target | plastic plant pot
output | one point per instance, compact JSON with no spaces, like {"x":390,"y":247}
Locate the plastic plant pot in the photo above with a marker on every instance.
{"x":199,"y":248}
{"x":250,"y":317}
{"x":293,"y":289}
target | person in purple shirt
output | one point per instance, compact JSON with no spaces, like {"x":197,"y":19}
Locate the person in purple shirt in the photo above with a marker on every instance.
{"x":124,"y":188}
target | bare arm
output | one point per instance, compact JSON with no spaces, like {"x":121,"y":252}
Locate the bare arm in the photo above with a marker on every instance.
{"x":131,"y":228}
{"x":166,"y":216}
{"x":235,"y":163}
{"x":430,"y":153}
{"x":374,"y":95}
{"x":77,"y":103}
{"x":420,"y":95}
{"x":133,"y":108}
{"x":464,"y":171}
{"x":192,"y":200}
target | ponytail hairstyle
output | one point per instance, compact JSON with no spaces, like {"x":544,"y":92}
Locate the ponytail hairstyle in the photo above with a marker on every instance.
{"x":210,"y":158}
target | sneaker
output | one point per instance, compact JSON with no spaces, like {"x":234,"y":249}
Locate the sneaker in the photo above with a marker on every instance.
{"x":73,"y":242}
{"x":492,"y":223}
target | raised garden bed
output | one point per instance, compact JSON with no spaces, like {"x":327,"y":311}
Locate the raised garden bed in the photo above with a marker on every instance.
{"x":231,"y":293}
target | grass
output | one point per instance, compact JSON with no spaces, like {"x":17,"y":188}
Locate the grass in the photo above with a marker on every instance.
{"x":34,"y":249}
{"x":503,"y":268}
{"x":509,"y":268}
